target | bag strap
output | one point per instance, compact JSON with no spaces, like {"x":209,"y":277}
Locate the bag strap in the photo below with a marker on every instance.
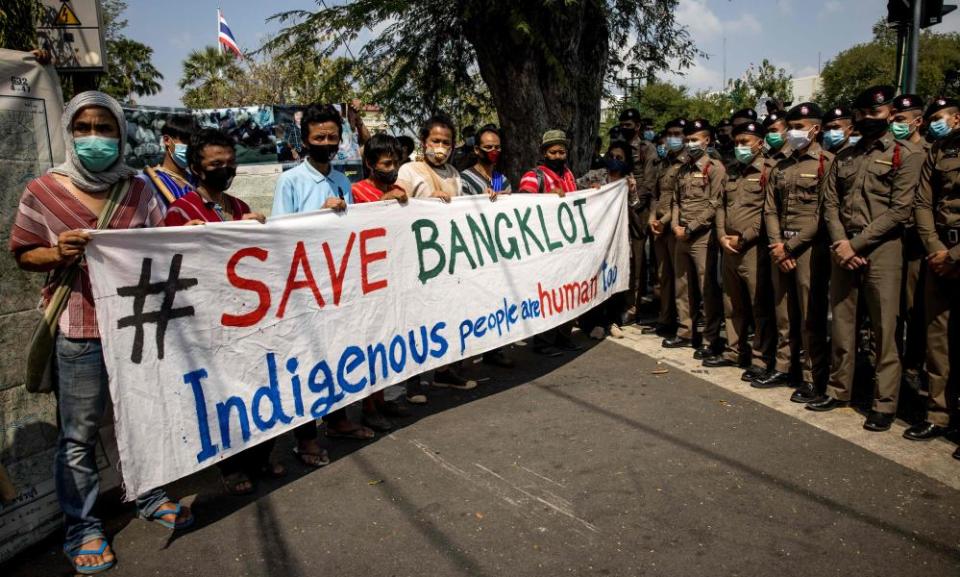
{"x":117,"y":192}
{"x":540,"y":180}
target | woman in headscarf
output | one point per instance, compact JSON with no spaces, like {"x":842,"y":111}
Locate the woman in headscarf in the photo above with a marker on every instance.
{"x":48,"y":235}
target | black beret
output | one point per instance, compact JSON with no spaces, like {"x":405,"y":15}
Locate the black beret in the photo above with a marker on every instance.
{"x":754,"y":128}
{"x":875,"y":96}
{"x":630,"y":114}
{"x":837,"y":113}
{"x":804,"y":111}
{"x":938,"y":104}
{"x":676,"y":123}
{"x":724,"y":122}
{"x":745,"y":113}
{"x":906,"y":102}
{"x":698,"y":125}
{"x":615,"y":132}
{"x":773,"y":117}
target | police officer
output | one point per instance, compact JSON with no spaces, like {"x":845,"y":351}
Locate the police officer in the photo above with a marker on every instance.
{"x":868,"y":197}
{"x":837,"y":128}
{"x":664,"y":243}
{"x":696,"y":199}
{"x":938,"y":224}
{"x":746,"y":264}
{"x":724,"y":145}
{"x":775,"y":142}
{"x":743,"y":115}
{"x":905,"y":125}
{"x":645,"y":175}
{"x":799,"y":253}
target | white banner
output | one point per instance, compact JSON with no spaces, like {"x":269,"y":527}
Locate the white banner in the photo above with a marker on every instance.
{"x":223,"y":336}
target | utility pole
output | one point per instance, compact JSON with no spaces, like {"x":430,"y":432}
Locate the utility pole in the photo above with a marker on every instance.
{"x":909,"y":17}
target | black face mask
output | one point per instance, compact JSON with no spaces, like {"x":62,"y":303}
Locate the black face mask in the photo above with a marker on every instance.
{"x":323,"y":153}
{"x":219,"y":179}
{"x":555,"y":164}
{"x":628,"y":133}
{"x":385,"y":176}
{"x":872,"y":127}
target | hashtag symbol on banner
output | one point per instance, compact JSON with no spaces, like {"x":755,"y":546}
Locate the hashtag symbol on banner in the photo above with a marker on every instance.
{"x":162,"y":317}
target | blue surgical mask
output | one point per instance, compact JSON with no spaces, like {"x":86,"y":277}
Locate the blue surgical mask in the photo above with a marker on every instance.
{"x":179,"y":155}
{"x":939,"y":128}
{"x":674,"y":143}
{"x":97,"y":153}
{"x":649,"y":135}
{"x":833,"y":138}
{"x":744,"y":154}
{"x":854,"y":139}
{"x":661,"y":151}
{"x":615,"y":165}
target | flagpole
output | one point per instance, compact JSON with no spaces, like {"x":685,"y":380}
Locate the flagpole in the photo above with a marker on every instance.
{"x":219,"y":46}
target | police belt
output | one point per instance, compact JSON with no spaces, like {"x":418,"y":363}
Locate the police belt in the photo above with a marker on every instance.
{"x":949,"y":236}
{"x":788,"y":234}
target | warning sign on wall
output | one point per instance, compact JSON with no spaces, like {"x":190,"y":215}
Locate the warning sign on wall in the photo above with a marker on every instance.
{"x":71,"y":31}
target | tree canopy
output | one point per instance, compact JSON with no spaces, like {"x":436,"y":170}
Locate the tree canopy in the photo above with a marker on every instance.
{"x":538,"y":64}
{"x":874,"y":62}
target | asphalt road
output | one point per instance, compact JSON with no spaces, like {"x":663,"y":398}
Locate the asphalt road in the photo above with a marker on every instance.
{"x":585,"y":465}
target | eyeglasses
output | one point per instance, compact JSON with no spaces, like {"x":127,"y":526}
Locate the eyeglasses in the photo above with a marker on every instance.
{"x":490,"y":147}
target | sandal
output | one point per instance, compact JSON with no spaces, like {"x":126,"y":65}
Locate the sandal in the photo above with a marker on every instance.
{"x":309,"y":459}
{"x":158,"y":518}
{"x":90,"y":569}
{"x":232,"y":481}
{"x":356,"y":432}
{"x":273,"y":471}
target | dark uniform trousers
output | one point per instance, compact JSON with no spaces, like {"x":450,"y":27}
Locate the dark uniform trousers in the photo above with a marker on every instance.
{"x":746,"y":297}
{"x":805,"y":288}
{"x":879,"y":285}
{"x":914,"y":279}
{"x":695,"y":262}
{"x":942,"y":296}
{"x":664,"y":247}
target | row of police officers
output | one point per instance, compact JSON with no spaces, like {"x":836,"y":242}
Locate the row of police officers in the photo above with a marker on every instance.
{"x":767,"y":227}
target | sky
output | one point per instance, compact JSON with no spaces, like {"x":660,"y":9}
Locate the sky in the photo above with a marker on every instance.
{"x":798,"y":35}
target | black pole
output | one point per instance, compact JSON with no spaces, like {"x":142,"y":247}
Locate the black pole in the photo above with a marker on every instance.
{"x":914,"y":47}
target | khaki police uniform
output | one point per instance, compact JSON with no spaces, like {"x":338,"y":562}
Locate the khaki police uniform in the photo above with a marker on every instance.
{"x":792,"y":217}
{"x":665,"y":245}
{"x":747,"y":283}
{"x":645,"y":174}
{"x":937,"y":216}
{"x":697,"y":197}
{"x":868,"y":197}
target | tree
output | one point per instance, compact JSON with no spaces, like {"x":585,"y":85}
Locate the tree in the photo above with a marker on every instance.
{"x":18,"y":24}
{"x":861,"y":66}
{"x":765,"y":80}
{"x":130,"y":72}
{"x":206,"y":76}
{"x":543,"y":63}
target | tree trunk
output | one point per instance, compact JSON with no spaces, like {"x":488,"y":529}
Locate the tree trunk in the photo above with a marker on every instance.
{"x":550,"y":78}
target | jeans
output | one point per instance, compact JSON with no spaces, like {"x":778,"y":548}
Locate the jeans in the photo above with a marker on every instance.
{"x":82,"y":397}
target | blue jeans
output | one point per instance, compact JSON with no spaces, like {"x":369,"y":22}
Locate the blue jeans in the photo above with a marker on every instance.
{"x":82,"y":397}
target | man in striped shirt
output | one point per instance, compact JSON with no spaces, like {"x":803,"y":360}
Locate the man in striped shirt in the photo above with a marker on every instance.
{"x":483,"y":177}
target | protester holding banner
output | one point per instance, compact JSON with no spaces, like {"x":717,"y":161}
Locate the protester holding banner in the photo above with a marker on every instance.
{"x":48,"y":235}
{"x":434,"y":177}
{"x":171,"y":179}
{"x":314,"y":185}
{"x":483,"y":177}
{"x":604,"y":319}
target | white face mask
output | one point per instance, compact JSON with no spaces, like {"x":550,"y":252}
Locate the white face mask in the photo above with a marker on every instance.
{"x":798,"y":139}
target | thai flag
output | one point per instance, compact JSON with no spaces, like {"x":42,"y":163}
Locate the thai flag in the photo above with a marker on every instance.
{"x":226,"y":36}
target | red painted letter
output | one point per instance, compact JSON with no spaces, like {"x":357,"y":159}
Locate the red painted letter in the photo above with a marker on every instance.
{"x":254,"y":316}
{"x":336,"y":279}
{"x":299,"y":261}
{"x":367,"y":257}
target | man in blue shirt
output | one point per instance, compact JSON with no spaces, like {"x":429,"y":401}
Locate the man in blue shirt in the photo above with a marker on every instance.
{"x":314,"y":184}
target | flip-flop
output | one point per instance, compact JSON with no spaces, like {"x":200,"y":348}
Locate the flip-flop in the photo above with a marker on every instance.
{"x":322,"y":455}
{"x":89,"y":569}
{"x":158,"y":518}
{"x":233,"y":480}
{"x":358,"y":433}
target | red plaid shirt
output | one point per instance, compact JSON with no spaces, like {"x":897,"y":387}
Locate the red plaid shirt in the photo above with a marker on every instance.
{"x":367,"y":191}
{"x":48,"y":209}
{"x":551,"y":181}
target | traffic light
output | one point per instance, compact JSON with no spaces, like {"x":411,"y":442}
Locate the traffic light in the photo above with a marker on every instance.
{"x":900,"y":12}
